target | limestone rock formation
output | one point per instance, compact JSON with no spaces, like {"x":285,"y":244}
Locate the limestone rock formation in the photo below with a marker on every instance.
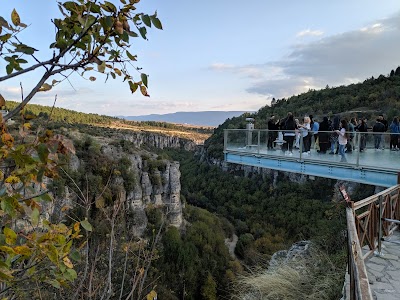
{"x":297,"y":251}
{"x":158,"y":140}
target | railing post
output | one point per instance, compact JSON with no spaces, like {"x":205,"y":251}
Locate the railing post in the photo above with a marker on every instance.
{"x":380,"y":234}
{"x":301,"y":145}
{"x":258,"y":143}
{"x":358,"y":147}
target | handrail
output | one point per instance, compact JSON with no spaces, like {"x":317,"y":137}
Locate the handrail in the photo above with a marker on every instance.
{"x":272,"y":143}
{"x":375,"y":197}
{"x":368,"y":227}
{"x":359,"y":284}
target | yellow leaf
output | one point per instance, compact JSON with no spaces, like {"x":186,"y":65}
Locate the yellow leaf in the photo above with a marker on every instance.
{"x":12,"y":179}
{"x":45,"y":87}
{"x":15,"y":18}
{"x":152,"y":295}
{"x":91,"y":78}
{"x":65,"y":208}
{"x":11,"y":236}
{"x":2,"y":101}
{"x":101,"y":67}
{"x":76,"y":226}
{"x":143,"y":90}
{"x":7,"y":249}
{"x":23,"y":250}
{"x":68,"y":262}
{"x":7,"y":139}
{"x":100,"y":203}
{"x":117,"y":71}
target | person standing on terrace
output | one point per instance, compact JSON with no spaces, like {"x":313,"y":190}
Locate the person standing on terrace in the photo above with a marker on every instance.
{"x":324,"y":134}
{"x":378,"y":129}
{"x":342,"y":133}
{"x":305,"y":129}
{"x":362,"y":127}
{"x":334,"y":136}
{"x":290,"y":127}
{"x":273,"y":134}
{"x":394,"y":134}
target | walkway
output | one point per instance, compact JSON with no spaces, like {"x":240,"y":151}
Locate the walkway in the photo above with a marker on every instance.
{"x":384,"y":272}
{"x":377,"y":167}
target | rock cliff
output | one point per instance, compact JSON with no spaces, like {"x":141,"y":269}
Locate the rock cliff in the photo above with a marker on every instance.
{"x":152,"y":182}
{"x":160,"y":141}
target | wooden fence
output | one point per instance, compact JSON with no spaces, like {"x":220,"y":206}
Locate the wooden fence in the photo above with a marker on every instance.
{"x":368,"y":221}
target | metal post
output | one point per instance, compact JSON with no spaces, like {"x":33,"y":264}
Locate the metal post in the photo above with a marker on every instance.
{"x":301,"y":145}
{"x":258,"y":143}
{"x":358,"y":141}
{"x":379,"y":253}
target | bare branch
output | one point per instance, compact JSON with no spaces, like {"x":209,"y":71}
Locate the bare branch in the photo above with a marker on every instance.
{"x":29,"y":97}
{"x":34,"y":196}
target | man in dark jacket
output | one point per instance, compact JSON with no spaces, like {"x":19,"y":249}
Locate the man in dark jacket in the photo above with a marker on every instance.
{"x":378,"y":128}
{"x":384,"y":122}
{"x":272,"y":135}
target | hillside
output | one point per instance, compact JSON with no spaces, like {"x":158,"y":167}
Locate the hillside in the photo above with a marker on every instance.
{"x":367,"y":99}
{"x":202,"y":118}
{"x":64,"y":116}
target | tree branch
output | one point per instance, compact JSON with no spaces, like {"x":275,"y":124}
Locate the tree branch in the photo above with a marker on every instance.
{"x":30,"y":96}
{"x":31,"y":68}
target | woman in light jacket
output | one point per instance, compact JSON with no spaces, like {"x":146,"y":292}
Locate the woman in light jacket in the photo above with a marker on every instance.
{"x":342,"y":133}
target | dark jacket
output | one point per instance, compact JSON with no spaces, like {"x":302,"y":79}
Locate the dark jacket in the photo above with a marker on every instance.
{"x":378,"y":127}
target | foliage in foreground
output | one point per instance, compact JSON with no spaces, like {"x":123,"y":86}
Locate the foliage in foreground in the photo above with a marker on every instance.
{"x":32,"y":249}
{"x":91,"y":36}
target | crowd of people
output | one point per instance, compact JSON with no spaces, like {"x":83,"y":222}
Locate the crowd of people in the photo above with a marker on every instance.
{"x":334,"y":135}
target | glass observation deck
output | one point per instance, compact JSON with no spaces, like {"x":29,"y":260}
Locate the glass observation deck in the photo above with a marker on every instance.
{"x":374,"y":164}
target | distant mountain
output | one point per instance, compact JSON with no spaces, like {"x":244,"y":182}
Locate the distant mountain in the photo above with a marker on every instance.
{"x":202,"y":118}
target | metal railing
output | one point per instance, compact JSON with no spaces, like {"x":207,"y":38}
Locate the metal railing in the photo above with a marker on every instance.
{"x":368,"y":221}
{"x":363,"y":149}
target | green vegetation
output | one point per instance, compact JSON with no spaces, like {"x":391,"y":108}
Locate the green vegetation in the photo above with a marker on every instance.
{"x":268,"y":218}
{"x":195,"y":264}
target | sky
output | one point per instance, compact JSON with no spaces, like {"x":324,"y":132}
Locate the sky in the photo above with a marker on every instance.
{"x":225,"y":55}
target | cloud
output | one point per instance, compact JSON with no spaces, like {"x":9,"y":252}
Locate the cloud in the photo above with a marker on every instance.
{"x":161,"y":106}
{"x":309,"y":32}
{"x":249,"y":71}
{"x":334,"y":60}
{"x":221,"y":67}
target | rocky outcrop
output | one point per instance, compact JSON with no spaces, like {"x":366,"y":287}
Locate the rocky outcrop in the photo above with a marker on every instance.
{"x":153,"y":183}
{"x":298,"y":250}
{"x":158,"y":140}
{"x":160,"y":189}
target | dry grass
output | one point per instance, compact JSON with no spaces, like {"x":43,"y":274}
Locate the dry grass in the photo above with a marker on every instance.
{"x":311,"y":278}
